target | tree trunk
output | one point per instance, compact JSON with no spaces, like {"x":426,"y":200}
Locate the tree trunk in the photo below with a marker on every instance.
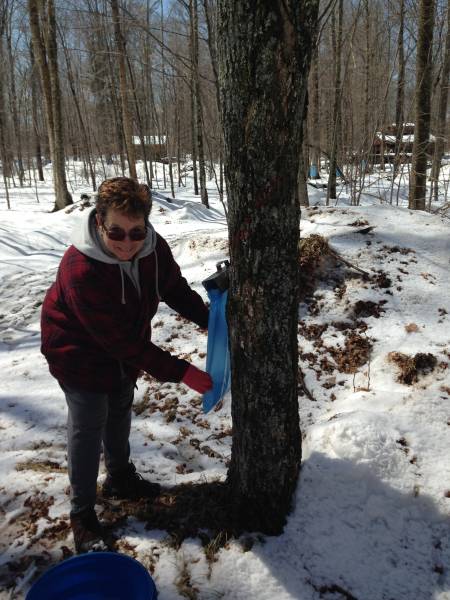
{"x":314,"y":130}
{"x":264,"y":53}
{"x":45,"y":52}
{"x":3,"y":152}
{"x":302,"y":185}
{"x":400,"y":100}
{"x":212,"y":45}
{"x":441,"y":124}
{"x":194,"y":139}
{"x":84,"y":134}
{"x":418,"y":180}
{"x":331,"y":189}
{"x":199,"y":116}
{"x":139,"y":123}
{"x":15,"y":112}
{"x":148,"y":90}
{"x":197,"y":101}
{"x":63,"y":197}
{"x":34,"y":114}
{"x":126,"y":114}
{"x":367,"y":75}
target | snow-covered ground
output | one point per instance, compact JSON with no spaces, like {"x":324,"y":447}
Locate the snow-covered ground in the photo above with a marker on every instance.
{"x":371,"y":518}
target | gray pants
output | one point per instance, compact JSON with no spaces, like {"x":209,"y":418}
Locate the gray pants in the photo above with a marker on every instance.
{"x":96,"y":417}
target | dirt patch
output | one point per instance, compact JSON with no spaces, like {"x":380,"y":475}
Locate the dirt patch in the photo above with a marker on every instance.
{"x":41,"y":466}
{"x":353,"y":355}
{"x":381,"y":280}
{"x":206,"y":241}
{"x":394,"y":249}
{"x":314,"y":255}
{"x":312,"y":332}
{"x":312,"y":250}
{"x":359,"y":223}
{"x":84,"y":202}
{"x":38,"y":506}
{"x":368,"y":308}
{"x":412,"y":367}
{"x":346,"y":325}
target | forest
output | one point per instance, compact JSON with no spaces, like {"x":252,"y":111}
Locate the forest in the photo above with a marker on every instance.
{"x":113,"y":83}
{"x":305,"y":145}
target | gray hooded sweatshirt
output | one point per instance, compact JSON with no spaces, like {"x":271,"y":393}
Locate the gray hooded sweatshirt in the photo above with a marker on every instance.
{"x":87,"y":240}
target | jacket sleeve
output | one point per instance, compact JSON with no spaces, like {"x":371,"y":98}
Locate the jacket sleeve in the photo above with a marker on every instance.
{"x":175,"y":291}
{"x":99,"y":315}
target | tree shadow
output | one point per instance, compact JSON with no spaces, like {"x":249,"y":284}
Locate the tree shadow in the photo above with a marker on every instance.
{"x":350,"y":535}
{"x":193,"y":510}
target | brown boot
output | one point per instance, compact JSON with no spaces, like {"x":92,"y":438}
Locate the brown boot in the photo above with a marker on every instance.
{"x":88,"y":534}
{"x":129,"y":485}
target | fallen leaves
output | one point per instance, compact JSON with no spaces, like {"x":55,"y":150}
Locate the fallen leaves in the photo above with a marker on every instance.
{"x":412,"y":367}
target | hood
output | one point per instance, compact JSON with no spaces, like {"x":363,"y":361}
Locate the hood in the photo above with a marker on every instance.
{"x":86,"y":239}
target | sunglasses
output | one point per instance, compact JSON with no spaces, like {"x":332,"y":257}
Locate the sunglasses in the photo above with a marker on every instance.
{"x":117,"y":234}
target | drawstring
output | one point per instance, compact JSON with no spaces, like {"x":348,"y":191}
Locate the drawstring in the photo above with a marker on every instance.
{"x":123,"y":284}
{"x":156,"y":279}
{"x":156,"y":275}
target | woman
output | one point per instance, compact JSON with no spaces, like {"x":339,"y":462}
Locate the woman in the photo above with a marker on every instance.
{"x":96,"y":338}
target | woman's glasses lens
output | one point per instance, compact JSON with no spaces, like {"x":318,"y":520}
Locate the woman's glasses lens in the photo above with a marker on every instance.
{"x":118,"y":234}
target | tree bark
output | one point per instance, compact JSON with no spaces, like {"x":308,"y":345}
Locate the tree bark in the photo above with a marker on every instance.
{"x":6,"y":171}
{"x":45,"y":53}
{"x":367,"y":76}
{"x":34,"y":114}
{"x":424,"y":66}
{"x":126,"y":113}
{"x":212,"y":45}
{"x":441,"y":124}
{"x":400,"y":99}
{"x":15,"y":115}
{"x":314,"y":130}
{"x":264,"y":51}
{"x":140,"y":127}
{"x":198,"y":113}
{"x":331,"y":188}
{"x":84,"y":133}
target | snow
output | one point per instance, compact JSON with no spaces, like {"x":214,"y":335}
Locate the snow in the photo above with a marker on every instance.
{"x":405,"y":139}
{"x":149,"y":139}
{"x":371,"y":515}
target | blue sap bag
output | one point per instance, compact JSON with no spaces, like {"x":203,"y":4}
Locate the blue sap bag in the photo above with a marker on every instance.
{"x":218,"y":354}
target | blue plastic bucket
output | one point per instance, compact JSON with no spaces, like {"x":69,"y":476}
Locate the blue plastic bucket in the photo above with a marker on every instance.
{"x":95,"y":576}
{"x":313,"y":172}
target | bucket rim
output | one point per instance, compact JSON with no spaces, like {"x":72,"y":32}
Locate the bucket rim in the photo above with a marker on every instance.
{"x":91,"y":557}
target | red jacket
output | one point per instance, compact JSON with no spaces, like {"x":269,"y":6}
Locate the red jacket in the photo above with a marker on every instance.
{"x":89,"y":336}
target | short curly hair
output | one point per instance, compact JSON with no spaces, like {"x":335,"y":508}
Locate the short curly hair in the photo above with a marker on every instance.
{"x":125,"y":195}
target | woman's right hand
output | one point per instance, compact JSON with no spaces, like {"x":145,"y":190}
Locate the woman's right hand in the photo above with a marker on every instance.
{"x":198,"y":380}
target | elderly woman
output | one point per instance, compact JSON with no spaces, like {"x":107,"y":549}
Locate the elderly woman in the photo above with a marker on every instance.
{"x":96,"y":337}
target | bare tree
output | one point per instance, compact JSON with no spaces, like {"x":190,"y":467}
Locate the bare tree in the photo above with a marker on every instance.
{"x":441,"y":124}
{"x":314,"y":129}
{"x":400,"y":99}
{"x":424,"y":66}
{"x":34,"y":116}
{"x":331,"y":189}
{"x":43,"y":33}
{"x":126,"y":113}
{"x":197,"y":101}
{"x":264,"y":55}
{"x":15,"y":111}
{"x":3,"y":153}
